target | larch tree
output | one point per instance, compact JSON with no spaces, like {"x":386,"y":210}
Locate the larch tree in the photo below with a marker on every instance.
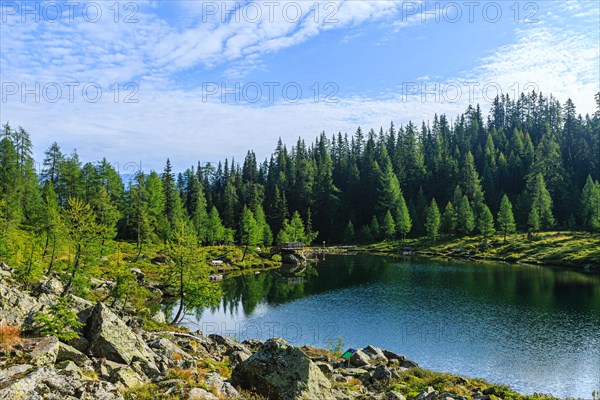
{"x":506,"y":219}
{"x":432,"y":220}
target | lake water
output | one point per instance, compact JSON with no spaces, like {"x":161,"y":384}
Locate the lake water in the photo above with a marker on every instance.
{"x":534,"y":328}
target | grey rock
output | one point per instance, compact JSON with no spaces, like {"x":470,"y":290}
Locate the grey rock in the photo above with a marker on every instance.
{"x":325,"y":368}
{"x":280,"y":371}
{"x":159,"y":317}
{"x":390,"y":355}
{"x":139,"y":275}
{"x":382,"y":373}
{"x":224,"y":389}
{"x":69,"y":366}
{"x":126,"y":377}
{"x":229,"y":346}
{"x":426,"y":394}
{"x":14,"y":370}
{"x":375,"y":354}
{"x":16,"y":306}
{"x":409,"y":364}
{"x":175,"y":356}
{"x":66,"y":352}
{"x":45,"y":351}
{"x":110,"y":338}
{"x":201,"y":394}
{"x":52,"y":286}
{"x":394,"y":395}
{"x":80,"y":343}
{"x":237,"y":357}
{"x":24,"y":388}
{"x":359,"y":359}
{"x":339,"y":378}
{"x":352,"y":372}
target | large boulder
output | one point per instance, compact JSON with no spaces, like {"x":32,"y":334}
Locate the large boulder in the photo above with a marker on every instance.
{"x":69,"y":353}
{"x":171,"y":354}
{"x":280,"y":371}
{"x":112,"y":339}
{"x":52,"y":384}
{"x":16,"y":306}
{"x":45,"y":351}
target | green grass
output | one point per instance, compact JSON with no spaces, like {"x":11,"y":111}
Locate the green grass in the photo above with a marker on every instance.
{"x":571,"y":249}
{"x":412,"y":382}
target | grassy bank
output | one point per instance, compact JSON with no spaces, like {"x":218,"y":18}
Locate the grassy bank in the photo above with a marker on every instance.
{"x":567,"y":249}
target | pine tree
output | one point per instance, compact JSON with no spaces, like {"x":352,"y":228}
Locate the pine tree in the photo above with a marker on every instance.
{"x":486,"y":223}
{"x":506,"y":220}
{"x":432,"y":220}
{"x":540,"y":215}
{"x":466,"y":219}
{"x":173,"y":208}
{"x":469,"y":177}
{"x":449,"y":219}
{"x":388,"y":227}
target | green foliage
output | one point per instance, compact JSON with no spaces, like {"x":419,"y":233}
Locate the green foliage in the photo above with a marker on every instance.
{"x":292,"y":231}
{"x":336,"y":347}
{"x":466,"y":219}
{"x":506,"y":220}
{"x":59,"y":319}
{"x":389,"y":226}
{"x":486,"y":222}
{"x":540,"y":214}
{"x":403,"y":220}
{"x":449,"y":219}
{"x":349,"y":234}
{"x":590,"y":204}
{"x":83,"y":232}
{"x":432,"y":220}
{"x":189,"y":273}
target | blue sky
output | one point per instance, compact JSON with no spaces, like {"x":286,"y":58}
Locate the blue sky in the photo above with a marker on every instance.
{"x":356,"y":62}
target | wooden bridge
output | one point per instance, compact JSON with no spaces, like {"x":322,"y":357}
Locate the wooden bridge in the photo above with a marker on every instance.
{"x":289,"y":247}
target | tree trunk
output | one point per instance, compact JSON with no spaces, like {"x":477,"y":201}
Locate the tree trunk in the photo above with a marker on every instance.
{"x":51,"y":265}
{"x":181,"y":294}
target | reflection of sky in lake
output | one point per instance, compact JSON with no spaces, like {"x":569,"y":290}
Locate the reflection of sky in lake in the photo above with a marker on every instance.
{"x":536,"y":329}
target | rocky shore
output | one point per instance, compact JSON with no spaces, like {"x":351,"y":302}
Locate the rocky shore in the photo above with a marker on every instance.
{"x":113,"y":357}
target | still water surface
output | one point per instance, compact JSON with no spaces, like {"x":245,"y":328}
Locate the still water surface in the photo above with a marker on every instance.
{"x":535,"y":328}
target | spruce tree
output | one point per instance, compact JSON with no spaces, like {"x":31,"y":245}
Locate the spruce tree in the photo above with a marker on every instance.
{"x":449,"y":218}
{"x":540,"y":214}
{"x":466,"y":219}
{"x":388,"y":227}
{"x":140,"y":214}
{"x":486,"y":223}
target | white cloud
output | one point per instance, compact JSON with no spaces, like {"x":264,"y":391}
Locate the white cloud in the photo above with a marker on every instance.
{"x":169,"y":122}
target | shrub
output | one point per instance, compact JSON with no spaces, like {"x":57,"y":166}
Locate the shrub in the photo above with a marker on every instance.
{"x":9,"y":336}
{"x":60,"y":320}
